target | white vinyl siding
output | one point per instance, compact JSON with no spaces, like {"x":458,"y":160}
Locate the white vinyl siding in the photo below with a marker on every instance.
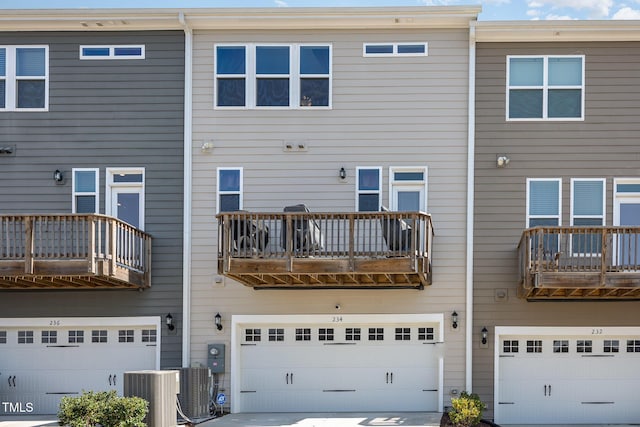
{"x":85,"y":190}
{"x":24,"y":78}
{"x":545,"y":87}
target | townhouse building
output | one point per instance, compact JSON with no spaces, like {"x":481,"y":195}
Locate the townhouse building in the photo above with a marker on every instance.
{"x":91,"y":201}
{"x":329,"y":206}
{"x":557,"y":197}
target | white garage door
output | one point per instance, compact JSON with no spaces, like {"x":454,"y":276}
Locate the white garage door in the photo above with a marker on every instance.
{"x":345,"y":365}
{"x":567,"y":376}
{"x":43,"y":360}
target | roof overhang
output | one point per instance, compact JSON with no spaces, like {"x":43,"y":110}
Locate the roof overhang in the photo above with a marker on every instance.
{"x":237,"y":18}
{"x":556,"y":31}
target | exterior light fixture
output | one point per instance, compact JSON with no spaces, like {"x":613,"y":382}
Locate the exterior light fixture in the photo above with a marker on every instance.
{"x":484,"y":335}
{"x":502,"y":161}
{"x":343,"y":173}
{"x":169,"y":321}
{"x":57,"y":176}
{"x":218,"y":321}
{"x":454,"y":320}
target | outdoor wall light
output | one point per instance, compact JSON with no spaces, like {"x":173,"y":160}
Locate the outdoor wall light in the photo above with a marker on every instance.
{"x":57,"y":176}
{"x":502,"y":161}
{"x":218,"y":321}
{"x":343,"y":173}
{"x":454,"y":320}
{"x":169,"y":321}
{"x":484,"y":335}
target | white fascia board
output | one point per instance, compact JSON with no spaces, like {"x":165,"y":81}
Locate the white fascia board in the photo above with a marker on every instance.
{"x":556,"y":31}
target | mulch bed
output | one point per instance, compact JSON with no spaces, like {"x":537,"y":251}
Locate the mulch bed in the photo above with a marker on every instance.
{"x":446,"y":422}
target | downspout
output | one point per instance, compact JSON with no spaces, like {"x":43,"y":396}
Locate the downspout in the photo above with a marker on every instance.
{"x":186,"y":220}
{"x":470,"y":200}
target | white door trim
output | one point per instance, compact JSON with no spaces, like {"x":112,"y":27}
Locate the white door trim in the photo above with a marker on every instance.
{"x":342,"y":319}
{"x":125,"y":187}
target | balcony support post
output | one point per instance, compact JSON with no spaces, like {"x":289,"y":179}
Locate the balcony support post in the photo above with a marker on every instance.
{"x":91,"y":250}
{"x":28,"y":245}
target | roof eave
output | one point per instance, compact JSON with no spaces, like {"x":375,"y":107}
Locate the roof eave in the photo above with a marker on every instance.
{"x":556,"y":31}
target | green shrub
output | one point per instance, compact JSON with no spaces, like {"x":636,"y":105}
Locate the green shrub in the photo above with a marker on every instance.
{"x":467,"y":410}
{"x":102,"y":408}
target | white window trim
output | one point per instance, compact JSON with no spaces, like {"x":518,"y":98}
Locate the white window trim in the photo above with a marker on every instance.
{"x":110,"y":185}
{"x":393,"y":183}
{"x":559,"y":216}
{"x":619,"y":197}
{"x":95,"y":193}
{"x":112,"y":54}
{"x":11,"y":78}
{"x":358,"y":191}
{"x":395,"y":49}
{"x":240,"y":193}
{"x":545,"y":90}
{"x":250,"y":76}
{"x":604,"y":201}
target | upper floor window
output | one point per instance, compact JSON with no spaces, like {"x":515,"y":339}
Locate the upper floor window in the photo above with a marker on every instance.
{"x":395,"y":49}
{"x":368,"y":189}
{"x":544,"y":209}
{"x":229,"y":189}
{"x":24,"y":78}
{"x":112,"y":52}
{"x":85,"y":190}
{"x":545,"y":87}
{"x":273,"y":75}
{"x":587,"y":209}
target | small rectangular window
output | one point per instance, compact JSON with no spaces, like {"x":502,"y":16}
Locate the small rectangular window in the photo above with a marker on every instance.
{"x":510,"y":346}
{"x":125,"y":335}
{"x":395,"y":49}
{"x":403,"y":334}
{"x":352,"y":334}
{"x":25,"y":337}
{"x":49,"y":337}
{"x":545,"y":87}
{"x":229,"y":189}
{"x":99,"y":336}
{"x":368,"y":189}
{"x":633,"y":346}
{"x":149,"y":335}
{"x":3,"y":337}
{"x":112,"y":52}
{"x":534,"y":346}
{"x":253,"y":335}
{"x":85,"y":190}
{"x":303,"y":334}
{"x":425,"y":334}
{"x":276,"y":334}
{"x":376,"y":334}
{"x":76,"y":337}
{"x":561,"y":346}
{"x":584,"y":346}
{"x":325,"y":334}
{"x":611,"y":346}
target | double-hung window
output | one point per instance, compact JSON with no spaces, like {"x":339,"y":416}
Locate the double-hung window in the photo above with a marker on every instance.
{"x":368,"y":189}
{"x":587,"y":209}
{"x":24,"y":78}
{"x":544,"y":197}
{"x":545,"y":87}
{"x":85,"y":190}
{"x":272,"y":75}
{"x":229,"y":189}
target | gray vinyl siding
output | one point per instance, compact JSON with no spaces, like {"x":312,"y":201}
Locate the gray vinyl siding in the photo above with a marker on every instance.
{"x":393,"y":111}
{"x":104,"y":113}
{"x":604,"y":145}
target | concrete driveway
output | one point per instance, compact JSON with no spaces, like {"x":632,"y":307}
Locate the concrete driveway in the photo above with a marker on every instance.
{"x":339,"y":419}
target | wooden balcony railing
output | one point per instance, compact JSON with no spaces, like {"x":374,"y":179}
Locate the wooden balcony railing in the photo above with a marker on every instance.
{"x":71,"y":252}
{"x":326,"y":250}
{"x":580,"y":263}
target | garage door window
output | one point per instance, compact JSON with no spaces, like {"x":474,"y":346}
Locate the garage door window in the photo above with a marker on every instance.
{"x":49,"y":337}
{"x":125,"y":335}
{"x":611,"y":346}
{"x":352,"y":334}
{"x":276,"y":334}
{"x":76,"y":337}
{"x":510,"y":346}
{"x":25,"y":337}
{"x":534,"y":346}
{"x":303,"y":334}
{"x":3,"y":337}
{"x":584,"y":346}
{"x":561,"y":346}
{"x":99,"y":336}
{"x":149,"y":335}
{"x":633,"y":346}
{"x":403,"y":334}
{"x":252,"y":335}
{"x":425,"y":334}
{"x":325,"y":334}
{"x":376,"y":334}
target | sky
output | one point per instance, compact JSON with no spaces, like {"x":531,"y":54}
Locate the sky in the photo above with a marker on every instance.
{"x":492,"y":10}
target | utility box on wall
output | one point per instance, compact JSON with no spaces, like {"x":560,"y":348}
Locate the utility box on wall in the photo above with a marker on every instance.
{"x":160,"y":389}
{"x":215,"y":358}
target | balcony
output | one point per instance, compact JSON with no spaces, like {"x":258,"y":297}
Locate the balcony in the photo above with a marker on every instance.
{"x":580,"y":263}
{"x":72,"y":252}
{"x":326,"y":250}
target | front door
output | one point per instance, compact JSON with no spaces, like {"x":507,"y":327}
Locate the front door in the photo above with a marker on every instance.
{"x":408,"y":189}
{"x":125,"y":195}
{"x":627,"y":214}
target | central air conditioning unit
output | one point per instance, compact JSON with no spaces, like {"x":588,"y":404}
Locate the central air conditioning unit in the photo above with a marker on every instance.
{"x":195,"y":384}
{"x":160,"y":389}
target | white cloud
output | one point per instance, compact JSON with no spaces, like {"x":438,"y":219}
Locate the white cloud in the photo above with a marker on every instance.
{"x":627,"y":13}
{"x":534,"y":13}
{"x":595,"y":9}
{"x":281,"y":3}
{"x":552,"y":17}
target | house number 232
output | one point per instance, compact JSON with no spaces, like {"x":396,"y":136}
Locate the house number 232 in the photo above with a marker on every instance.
{"x":596,"y":331}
